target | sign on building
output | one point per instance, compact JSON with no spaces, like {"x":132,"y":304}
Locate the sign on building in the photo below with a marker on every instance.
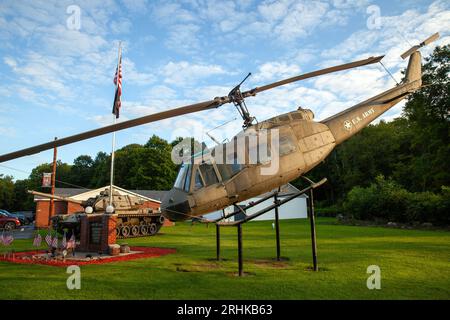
{"x":46,"y":180}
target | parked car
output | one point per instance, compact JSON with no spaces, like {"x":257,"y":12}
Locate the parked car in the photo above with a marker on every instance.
{"x":7,"y":222}
{"x":29,"y":216}
{"x":19,"y":216}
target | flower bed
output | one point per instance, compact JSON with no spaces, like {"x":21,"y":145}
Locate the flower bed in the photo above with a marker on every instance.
{"x":40,"y":257}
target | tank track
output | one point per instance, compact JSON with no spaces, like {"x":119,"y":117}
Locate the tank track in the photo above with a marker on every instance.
{"x":134,"y":225}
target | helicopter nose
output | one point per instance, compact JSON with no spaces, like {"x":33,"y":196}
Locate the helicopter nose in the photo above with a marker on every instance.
{"x":175,"y":205}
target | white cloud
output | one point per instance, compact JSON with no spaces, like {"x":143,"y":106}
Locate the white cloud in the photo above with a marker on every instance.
{"x":136,"y":6}
{"x":10,"y":62}
{"x":121,"y":26}
{"x":354,"y":84}
{"x":275,"y":70}
{"x":183,"y":38}
{"x":184,"y":73}
{"x":133,"y":76}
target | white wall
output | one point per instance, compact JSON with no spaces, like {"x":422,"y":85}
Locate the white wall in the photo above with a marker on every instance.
{"x":293,"y":209}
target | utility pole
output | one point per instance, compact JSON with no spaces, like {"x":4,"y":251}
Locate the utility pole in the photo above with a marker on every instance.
{"x":52,"y":201}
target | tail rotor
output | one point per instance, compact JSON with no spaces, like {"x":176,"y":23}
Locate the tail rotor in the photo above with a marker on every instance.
{"x":430,"y":39}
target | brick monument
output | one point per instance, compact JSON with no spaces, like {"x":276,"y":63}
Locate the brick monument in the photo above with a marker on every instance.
{"x":97,"y":233}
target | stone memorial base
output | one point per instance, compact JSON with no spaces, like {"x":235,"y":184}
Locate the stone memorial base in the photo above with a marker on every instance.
{"x":97,"y":233}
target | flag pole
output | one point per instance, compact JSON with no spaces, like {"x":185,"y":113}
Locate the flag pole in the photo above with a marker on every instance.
{"x":114,"y":133}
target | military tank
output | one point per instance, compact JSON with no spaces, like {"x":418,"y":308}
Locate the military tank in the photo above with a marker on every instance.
{"x":133,"y":218}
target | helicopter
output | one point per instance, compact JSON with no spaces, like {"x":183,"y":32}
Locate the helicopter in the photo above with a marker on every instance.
{"x":264,"y":155}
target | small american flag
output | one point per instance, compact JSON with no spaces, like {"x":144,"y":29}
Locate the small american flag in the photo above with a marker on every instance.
{"x":55,"y":242}
{"x":71,"y":242}
{"x":7,"y":240}
{"x":48,"y":239}
{"x":118,"y":82}
{"x":64,"y":241}
{"x":37,"y":240}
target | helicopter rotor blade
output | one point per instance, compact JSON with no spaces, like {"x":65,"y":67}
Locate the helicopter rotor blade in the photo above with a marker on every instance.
{"x":215,"y":103}
{"x":313,"y":74}
{"x":115,"y":127}
{"x":430,"y":39}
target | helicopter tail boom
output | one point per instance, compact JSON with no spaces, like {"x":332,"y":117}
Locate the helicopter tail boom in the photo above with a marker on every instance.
{"x":350,"y":121}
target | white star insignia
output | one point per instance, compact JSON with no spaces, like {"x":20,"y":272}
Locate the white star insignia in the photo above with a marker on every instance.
{"x":347,"y":125}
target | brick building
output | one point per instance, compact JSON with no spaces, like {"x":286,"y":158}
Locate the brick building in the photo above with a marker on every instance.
{"x":152,"y":199}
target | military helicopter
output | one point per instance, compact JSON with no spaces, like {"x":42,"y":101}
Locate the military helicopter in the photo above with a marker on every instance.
{"x":213,"y":179}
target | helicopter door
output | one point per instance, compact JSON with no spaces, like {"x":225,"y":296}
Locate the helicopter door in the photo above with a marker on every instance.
{"x":207,"y":191}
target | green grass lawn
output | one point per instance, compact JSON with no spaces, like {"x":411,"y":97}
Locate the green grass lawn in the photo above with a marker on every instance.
{"x":414,"y":265}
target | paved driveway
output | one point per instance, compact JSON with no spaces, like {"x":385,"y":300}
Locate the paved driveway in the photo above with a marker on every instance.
{"x":25,"y":232}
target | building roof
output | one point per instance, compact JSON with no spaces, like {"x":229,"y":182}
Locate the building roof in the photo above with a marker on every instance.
{"x":153,"y":194}
{"x":84,"y":194}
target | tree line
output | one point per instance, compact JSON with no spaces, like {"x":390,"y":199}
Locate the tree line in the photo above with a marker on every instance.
{"x":136,"y":166}
{"x":411,"y":153}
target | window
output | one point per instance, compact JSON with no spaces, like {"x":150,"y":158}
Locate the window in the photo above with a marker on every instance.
{"x":284,"y":118}
{"x":208,"y":174}
{"x":179,"y":182}
{"x":187,"y":184}
{"x":226,"y":171}
{"x":296,"y":116}
{"x":286,"y":145}
{"x":198,"y":183}
{"x":259,"y":153}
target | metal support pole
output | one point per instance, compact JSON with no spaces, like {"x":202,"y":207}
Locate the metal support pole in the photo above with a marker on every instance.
{"x":51,"y":211}
{"x":313,"y":228}
{"x":218,"y":241}
{"x":239,"y":229}
{"x":277,"y":227}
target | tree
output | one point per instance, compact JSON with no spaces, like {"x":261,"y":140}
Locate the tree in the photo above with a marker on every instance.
{"x":100,"y":170}
{"x":6,"y":192}
{"x":63,"y":175}
{"x":81,"y":172}
{"x":428,"y":114}
{"x":22,"y":199}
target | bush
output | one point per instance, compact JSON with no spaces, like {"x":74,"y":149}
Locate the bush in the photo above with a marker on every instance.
{"x":331,"y":211}
{"x":386,"y":200}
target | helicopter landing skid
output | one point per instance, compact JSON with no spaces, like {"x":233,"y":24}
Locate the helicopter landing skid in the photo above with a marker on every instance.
{"x":309,"y":191}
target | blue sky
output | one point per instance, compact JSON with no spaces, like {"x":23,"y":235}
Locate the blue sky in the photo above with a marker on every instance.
{"x":57,"y":70}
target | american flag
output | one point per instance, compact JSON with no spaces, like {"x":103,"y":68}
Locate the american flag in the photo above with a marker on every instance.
{"x":48,"y":239}
{"x":118,"y":82}
{"x":55,"y":242}
{"x":37,"y":240}
{"x":64,"y":241}
{"x":71,"y":242}
{"x":7,"y":240}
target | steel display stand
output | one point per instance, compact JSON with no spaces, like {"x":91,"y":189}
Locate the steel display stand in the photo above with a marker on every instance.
{"x":219,"y":222}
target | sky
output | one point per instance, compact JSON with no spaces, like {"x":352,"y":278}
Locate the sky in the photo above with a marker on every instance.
{"x":58,"y":59}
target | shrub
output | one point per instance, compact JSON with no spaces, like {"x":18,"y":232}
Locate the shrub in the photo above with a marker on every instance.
{"x":386,"y":200}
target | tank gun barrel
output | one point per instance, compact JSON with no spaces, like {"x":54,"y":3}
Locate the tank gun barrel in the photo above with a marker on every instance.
{"x":49,"y":196}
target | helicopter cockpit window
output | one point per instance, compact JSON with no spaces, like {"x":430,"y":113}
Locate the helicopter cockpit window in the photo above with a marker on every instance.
{"x":187,"y":182}
{"x":208,"y":174}
{"x":231,"y":167}
{"x":286,"y":145}
{"x":198,"y":183}
{"x":179,"y":182}
{"x":225,"y":170}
